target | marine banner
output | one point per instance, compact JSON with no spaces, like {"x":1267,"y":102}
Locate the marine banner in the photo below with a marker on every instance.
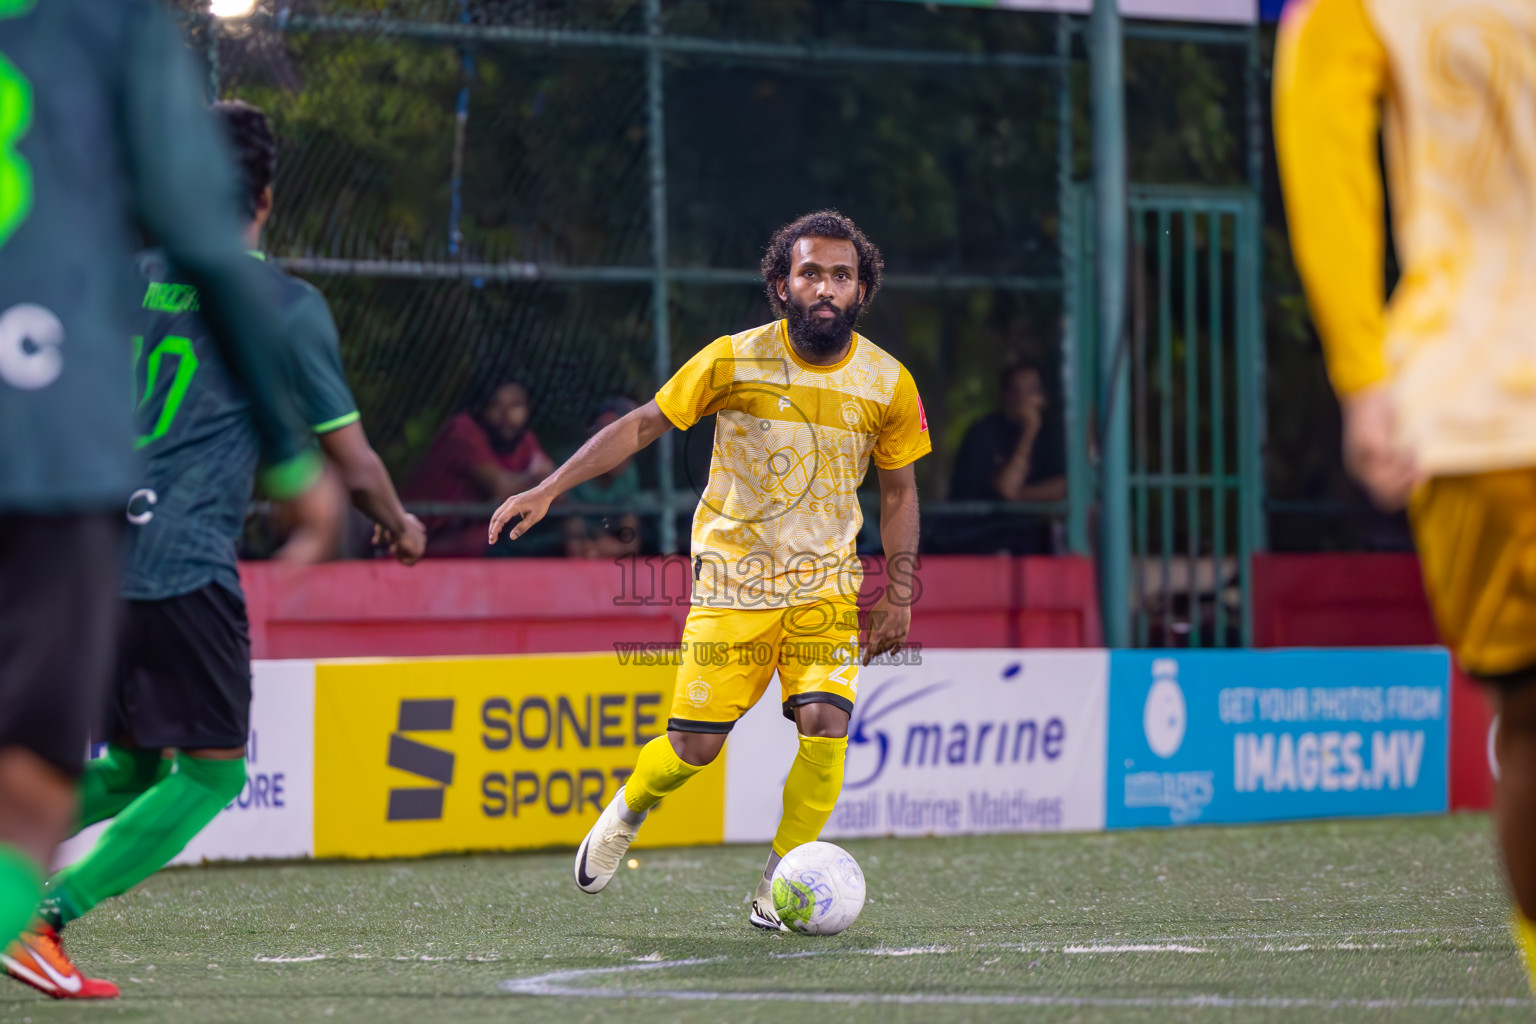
{"x":422,"y":756}
{"x":1241,"y":736}
{"x":962,"y":742}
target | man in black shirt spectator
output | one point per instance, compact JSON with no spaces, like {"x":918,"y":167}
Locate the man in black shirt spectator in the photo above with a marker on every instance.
{"x":1014,"y":454}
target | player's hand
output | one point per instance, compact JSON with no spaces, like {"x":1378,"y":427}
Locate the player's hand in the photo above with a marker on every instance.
{"x":1033,"y":416}
{"x":407,"y":547}
{"x":889,"y":622}
{"x":531,"y":505}
{"x":1371,"y":451}
{"x":314,"y":519}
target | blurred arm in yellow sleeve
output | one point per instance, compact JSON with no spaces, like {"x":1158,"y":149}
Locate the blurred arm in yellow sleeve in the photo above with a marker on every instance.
{"x":1330,"y":76}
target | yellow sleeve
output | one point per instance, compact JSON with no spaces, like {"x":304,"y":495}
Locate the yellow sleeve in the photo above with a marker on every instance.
{"x":1330,"y":74}
{"x":701,"y":386}
{"x":904,"y":432}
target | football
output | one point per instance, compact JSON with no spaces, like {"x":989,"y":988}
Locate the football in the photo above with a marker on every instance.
{"x":818,"y":889}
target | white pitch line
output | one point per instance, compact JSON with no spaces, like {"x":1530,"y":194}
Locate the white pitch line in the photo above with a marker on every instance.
{"x":289,"y":959}
{"x":553,"y":984}
{"x":1342,"y":934}
{"x":1156,"y":948}
{"x":873,"y":951}
{"x":1342,"y":941}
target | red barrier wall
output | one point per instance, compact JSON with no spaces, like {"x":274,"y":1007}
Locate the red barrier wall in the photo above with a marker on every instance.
{"x":1351,"y":600}
{"x":1343,"y":600}
{"x":1471,"y":750}
{"x":518,"y":606}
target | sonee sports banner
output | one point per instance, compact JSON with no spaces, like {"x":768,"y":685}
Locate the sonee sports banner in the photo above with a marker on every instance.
{"x":417,"y":757}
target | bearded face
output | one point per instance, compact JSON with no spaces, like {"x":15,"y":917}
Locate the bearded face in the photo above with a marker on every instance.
{"x":822,"y":295}
{"x":821,"y":329}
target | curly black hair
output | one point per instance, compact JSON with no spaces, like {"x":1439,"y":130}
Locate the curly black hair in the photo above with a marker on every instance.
{"x":253,"y":144}
{"x":821,"y":224}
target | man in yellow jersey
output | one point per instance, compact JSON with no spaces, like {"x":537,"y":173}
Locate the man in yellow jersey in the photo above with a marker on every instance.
{"x":1438,"y":386}
{"x":802,"y":404}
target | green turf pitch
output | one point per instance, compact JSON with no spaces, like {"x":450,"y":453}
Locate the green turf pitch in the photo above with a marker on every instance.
{"x":1393,"y":920}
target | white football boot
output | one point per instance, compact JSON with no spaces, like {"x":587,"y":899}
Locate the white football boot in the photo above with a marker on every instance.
{"x":601,"y":853}
{"x":763,"y":915}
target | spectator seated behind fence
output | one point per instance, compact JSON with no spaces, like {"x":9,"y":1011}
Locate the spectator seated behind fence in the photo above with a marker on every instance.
{"x":1014,"y":454}
{"x":480,"y":457}
{"x":613,"y":534}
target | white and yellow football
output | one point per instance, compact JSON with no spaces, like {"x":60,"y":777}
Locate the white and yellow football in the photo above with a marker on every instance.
{"x":818,"y":889}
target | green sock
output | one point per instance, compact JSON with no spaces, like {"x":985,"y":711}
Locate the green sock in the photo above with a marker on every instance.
{"x":115,"y":780}
{"x":21,"y":883}
{"x":146,"y":834}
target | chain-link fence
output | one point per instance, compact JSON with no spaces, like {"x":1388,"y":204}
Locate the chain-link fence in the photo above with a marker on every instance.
{"x":575,"y":195}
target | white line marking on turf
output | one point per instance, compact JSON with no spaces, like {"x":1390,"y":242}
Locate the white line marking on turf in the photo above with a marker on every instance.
{"x":1338,"y":933}
{"x":1162,"y":948}
{"x":552,"y":984}
{"x":289,"y":959}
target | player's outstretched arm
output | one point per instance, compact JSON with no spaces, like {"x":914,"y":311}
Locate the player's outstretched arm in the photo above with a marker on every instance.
{"x":373,"y":494}
{"x":606,"y":449}
{"x":891,"y":617}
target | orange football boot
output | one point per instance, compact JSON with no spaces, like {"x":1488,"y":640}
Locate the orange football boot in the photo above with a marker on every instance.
{"x":38,"y":959}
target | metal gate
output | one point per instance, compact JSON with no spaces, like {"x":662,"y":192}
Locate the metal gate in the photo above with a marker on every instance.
{"x":1190,"y":365}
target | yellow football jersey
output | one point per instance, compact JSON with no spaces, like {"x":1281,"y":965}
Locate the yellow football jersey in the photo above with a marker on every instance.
{"x":778,"y":520}
{"x":1456,"y":83}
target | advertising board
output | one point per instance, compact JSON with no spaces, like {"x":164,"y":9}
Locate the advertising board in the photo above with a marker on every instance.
{"x":419,"y":756}
{"x":399,"y":758}
{"x":964,"y":742}
{"x":1239,"y":736}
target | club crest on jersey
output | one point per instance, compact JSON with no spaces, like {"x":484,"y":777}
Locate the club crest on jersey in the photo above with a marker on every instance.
{"x":141,"y":505}
{"x":850,"y":415}
{"x":697,"y":693}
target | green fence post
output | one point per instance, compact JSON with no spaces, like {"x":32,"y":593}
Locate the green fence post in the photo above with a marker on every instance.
{"x":1218,"y":430}
{"x":1250,"y":389}
{"x":655,"y":102}
{"x":1191,"y":336}
{"x":1109,"y":187}
{"x":1075,"y":362}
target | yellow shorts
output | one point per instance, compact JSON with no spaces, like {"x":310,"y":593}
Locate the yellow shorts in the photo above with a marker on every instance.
{"x":1476,"y":537}
{"x":729,"y":655}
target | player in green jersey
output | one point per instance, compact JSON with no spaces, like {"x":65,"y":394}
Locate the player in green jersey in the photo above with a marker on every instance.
{"x":183,"y":680}
{"x":102,"y":134}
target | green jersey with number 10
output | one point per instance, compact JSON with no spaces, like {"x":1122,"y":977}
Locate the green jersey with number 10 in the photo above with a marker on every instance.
{"x":194,"y":427}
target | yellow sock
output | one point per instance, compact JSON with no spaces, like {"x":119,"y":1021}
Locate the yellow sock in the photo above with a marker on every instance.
{"x":658,"y":771}
{"x":1525,"y":938}
{"x":810,"y":792}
